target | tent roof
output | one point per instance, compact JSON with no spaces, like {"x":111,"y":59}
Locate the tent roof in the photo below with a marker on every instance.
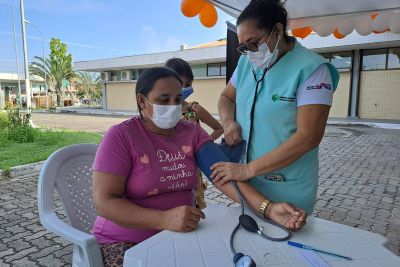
{"x":302,"y":13}
{"x":325,"y":17}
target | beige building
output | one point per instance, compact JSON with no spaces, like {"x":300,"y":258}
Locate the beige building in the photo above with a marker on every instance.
{"x":369,"y":66}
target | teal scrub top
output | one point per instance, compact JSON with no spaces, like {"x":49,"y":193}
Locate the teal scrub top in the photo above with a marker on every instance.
{"x":274,"y":122}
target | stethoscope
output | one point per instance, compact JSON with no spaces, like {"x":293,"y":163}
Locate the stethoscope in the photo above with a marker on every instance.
{"x":249,"y":224}
{"x":258,"y":82}
{"x":246,"y":221}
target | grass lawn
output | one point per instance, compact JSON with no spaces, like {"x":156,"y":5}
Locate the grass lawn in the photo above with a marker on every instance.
{"x":46,"y":142}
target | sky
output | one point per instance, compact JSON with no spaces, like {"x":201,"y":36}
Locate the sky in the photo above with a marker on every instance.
{"x":95,"y":29}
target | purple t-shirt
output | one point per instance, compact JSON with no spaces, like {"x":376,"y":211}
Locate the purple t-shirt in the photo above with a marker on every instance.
{"x":160,"y":171}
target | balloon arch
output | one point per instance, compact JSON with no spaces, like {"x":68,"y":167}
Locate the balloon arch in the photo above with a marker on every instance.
{"x":363,"y":24}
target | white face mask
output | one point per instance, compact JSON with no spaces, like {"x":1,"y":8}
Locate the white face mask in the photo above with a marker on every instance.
{"x":263,"y":58}
{"x":165,"y":116}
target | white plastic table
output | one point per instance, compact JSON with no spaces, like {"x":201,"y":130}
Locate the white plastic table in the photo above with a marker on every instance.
{"x":209,"y":245}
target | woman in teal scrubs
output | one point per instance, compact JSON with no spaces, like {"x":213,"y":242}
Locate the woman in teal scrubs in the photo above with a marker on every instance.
{"x":278,"y":101}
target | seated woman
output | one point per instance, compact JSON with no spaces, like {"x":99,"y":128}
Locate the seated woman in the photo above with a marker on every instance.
{"x":144,"y":174}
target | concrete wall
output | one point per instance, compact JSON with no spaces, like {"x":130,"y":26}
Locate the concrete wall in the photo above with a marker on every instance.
{"x":121,"y":96}
{"x":207,"y":92}
{"x":341,"y":97}
{"x":380,"y":95}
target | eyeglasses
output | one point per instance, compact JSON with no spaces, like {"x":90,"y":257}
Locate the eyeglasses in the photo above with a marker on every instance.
{"x":253,"y":46}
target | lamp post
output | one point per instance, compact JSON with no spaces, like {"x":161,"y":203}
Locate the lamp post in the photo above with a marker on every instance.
{"x":27,"y":81}
{"x":16,"y":59}
{"x":44,"y":62}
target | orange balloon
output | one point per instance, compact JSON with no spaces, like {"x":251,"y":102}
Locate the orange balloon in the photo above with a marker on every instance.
{"x":337,"y":34}
{"x":302,"y":32}
{"x":208,"y":15}
{"x":373,"y":16}
{"x":191,"y":8}
{"x":386,"y":30}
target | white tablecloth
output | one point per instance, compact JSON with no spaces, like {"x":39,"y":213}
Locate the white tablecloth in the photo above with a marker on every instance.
{"x":209,"y":245}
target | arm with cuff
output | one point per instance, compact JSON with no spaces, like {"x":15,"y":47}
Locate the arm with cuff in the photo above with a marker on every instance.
{"x":282,"y":213}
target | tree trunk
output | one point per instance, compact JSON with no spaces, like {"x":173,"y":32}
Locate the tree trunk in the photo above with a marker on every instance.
{"x":58,"y":92}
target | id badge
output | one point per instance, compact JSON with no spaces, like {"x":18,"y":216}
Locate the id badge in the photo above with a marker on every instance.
{"x":276,"y":177}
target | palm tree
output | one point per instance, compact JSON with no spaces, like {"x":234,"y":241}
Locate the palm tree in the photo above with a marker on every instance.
{"x":56,"y":72}
{"x":89,"y":84}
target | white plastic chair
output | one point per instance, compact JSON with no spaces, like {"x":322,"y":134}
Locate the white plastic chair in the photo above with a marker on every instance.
{"x":68,"y":170}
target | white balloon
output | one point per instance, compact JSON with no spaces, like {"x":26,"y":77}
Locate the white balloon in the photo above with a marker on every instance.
{"x":363,"y":25}
{"x":345,"y":26}
{"x":324,"y":30}
{"x":381,"y":22}
{"x":394,"y":23}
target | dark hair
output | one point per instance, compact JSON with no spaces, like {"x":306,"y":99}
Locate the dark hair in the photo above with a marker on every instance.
{"x":266,"y":13}
{"x":149,"y":77}
{"x":181,"y":67}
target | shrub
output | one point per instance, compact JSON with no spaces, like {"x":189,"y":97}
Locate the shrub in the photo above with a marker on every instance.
{"x":3,"y":137}
{"x":19,"y":129}
{"x":4,"y":121}
{"x":22,"y":134}
{"x":18,"y":118}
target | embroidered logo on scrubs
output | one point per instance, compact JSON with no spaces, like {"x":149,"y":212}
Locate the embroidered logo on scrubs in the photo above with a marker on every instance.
{"x":277,"y":97}
{"x":320,"y":86}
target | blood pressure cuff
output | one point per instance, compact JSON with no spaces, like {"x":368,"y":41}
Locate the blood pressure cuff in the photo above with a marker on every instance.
{"x":211,"y":153}
{"x":234,"y":153}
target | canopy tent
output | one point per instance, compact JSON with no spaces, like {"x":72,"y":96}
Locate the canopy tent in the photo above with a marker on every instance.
{"x":325,"y":17}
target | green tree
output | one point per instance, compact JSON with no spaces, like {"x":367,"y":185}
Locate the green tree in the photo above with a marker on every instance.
{"x":58,"y":68}
{"x":58,"y":52}
{"x":56,"y":73}
{"x":89,"y":85}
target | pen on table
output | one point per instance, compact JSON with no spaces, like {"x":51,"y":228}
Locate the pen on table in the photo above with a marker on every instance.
{"x":295,"y":244}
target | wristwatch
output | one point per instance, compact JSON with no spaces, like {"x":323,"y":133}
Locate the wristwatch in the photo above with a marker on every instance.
{"x":264,"y":206}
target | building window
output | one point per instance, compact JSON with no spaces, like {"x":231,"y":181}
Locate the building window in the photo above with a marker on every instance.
{"x":223,"y":69}
{"x":115,"y":75}
{"x":341,"y":60}
{"x":216,"y":69}
{"x":327,"y":56}
{"x":374,"y":59}
{"x":199,"y":71}
{"x":394,"y":58}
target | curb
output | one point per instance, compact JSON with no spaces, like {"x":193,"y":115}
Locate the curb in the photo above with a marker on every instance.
{"x":95,"y":113}
{"x":381,"y":125}
{"x":22,"y":170}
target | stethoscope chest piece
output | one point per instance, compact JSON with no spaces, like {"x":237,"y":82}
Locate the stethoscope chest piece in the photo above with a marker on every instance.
{"x":241,"y":260}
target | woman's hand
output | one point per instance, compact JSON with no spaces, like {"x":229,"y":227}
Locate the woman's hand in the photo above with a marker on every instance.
{"x":224,"y":172}
{"x":232,"y":132}
{"x":287,"y":215}
{"x":182,"y":219}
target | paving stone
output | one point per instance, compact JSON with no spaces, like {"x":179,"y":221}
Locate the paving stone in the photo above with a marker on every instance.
{"x":4,"y":253}
{"x":43,"y":252}
{"x":50,"y":260}
{"x":20,"y":254}
{"x":24,"y":263}
{"x":18,"y":245}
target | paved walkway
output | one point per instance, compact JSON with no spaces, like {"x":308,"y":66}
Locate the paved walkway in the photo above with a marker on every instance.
{"x":359,"y":186}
